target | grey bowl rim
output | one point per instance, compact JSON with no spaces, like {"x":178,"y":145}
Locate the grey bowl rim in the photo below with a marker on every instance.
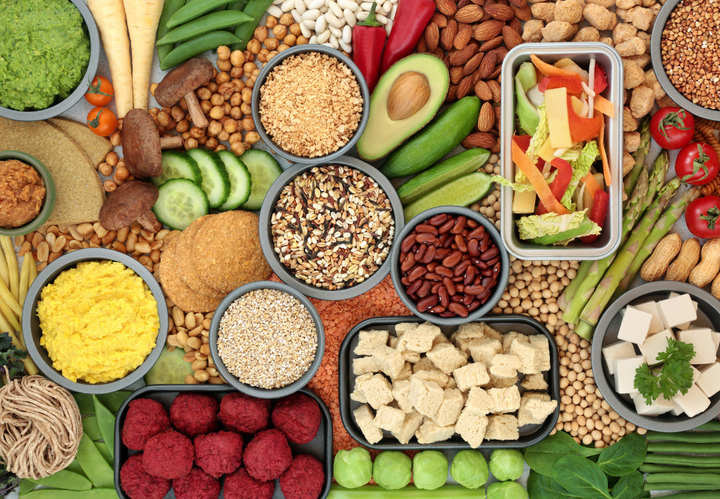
{"x":603,"y":385}
{"x":481,"y":311}
{"x":71,"y":260}
{"x":261,"y":392}
{"x":80,"y":90}
{"x":50,"y":192}
{"x":665,"y":83}
{"x":266,"y":243}
{"x":301,"y":49}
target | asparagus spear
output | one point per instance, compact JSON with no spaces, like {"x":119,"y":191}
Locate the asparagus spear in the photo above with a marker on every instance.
{"x":606,"y":287}
{"x":639,"y":155}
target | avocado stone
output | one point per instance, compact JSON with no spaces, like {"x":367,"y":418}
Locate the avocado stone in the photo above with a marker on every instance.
{"x":382,"y":134}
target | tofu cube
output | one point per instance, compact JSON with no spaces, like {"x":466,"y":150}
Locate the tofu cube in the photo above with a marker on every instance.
{"x":389,"y":361}
{"x":677,"y":410}
{"x":410,"y":425}
{"x":471,"y":427}
{"x":450,"y":408}
{"x":709,"y":380}
{"x":430,"y":432}
{"x":534,"y":382}
{"x":405,"y":373}
{"x":617,"y":350}
{"x":393,"y":341}
{"x":404,"y":327}
{"x":535,"y":408}
{"x":693,"y":402}
{"x":401,"y":393}
{"x":624,"y":373}
{"x":425,"y":396}
{"x":716,"y":340}
{"x":358,"y":396}
{"x":696,"y":373}
{"x":541,"y":341}
{"x":530,"y":356}
{"x":376,"y":390}
{"x":485,"y":349}
{"x":508,"y":339}
{"x":363,"y":365}
{"x":655,"y":345}
{"x":424,"y":364}
{"x":677,"y":310}
{"x":505,"y":366}
{"x":446,"y":357}
{"x":389,"y":419}
{"x":502,"y":427}
{"x":366,"y":422}
{"x":474,"y":374}
{"x":634,"y":326}
{"x":412,"y":357}
{"x":479,"y":402}
{"x":684,"y":325}
{"x":419,"y":339}
{"x":656,"y":324}
{"x":659,"y":406}
{"x":496,"y":382}
{"x":368,"y":341}
{"x":433,"y":375}
{"x":702,"y":342}
{"x":465,"y":335}
{"x":505,"y":399}
{"x":493,"y":334}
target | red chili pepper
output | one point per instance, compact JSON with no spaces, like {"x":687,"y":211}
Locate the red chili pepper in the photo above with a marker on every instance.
{"x":560,"y":184}
{"x":598,"y":212}
{"x":411,"y":19}
{"x":573,"y":85}
{"x":368,"y":43}
{"x":600,"y":79}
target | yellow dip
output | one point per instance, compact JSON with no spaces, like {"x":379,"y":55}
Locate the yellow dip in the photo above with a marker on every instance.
{"x":99,"y":321}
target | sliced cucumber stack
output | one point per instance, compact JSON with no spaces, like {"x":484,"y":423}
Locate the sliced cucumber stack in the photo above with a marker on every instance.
{"x":177,"y":165}
{"x":180,"y":203}
{"x":264,"y":169}
{"x":240,"y":181}
{"x":215,"y":180}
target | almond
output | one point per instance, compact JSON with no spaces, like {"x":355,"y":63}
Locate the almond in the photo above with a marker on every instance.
{"x":469,"y":14}
{"x":511,"y":37}
{"x":487,"y":30}
{"x":438,"y":52}
{"x":486,"y":119}
{"x":421,"y":46}
{"x":495,"y":89}
{"x":452,"y":92}
{"x":491,"y":44}
{"x":448,"y":34}
{"x":476,"y":76}
{"x":496,"y":72}
{"x":478,"y":2}
{"x":473,"y":63}
{"x":481,"y":139}
{"x":447,"y":7}
{"x":515,"y":24}
{"x":522,"y":13}
{"x":456,"y":74}
{"x":500,"y":12}
{"x":500,"y":53}
{"x":462,"y":3}
{"x":487,"y":65}
{"x":464,"y":87}
{"x":498,"y":114}
{"x":463,"y":37}
{"x":461,"y":57}
{"x":482,"y":90}
{"x":519,"y":3}
{"x":432,"y":36}
{"x":439,"y":19}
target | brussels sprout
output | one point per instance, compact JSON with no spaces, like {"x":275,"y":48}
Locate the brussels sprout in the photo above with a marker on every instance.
{"x":469,"y":469}
{"x":392,"y":470}
{"x":507,"y":464}
{"x":506,"y":490}
{"x":430,"y":469}
{"x":353,"y":468}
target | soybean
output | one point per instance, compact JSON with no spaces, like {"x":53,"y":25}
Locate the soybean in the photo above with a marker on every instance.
{"x":193,"y":10}
{"x":106,"y":423}
{"x":205,"y":24}
{"x":169,"y":9}
{"x":94,"y":465}
{"x":191,"y":48}
{"x":244,"y":32}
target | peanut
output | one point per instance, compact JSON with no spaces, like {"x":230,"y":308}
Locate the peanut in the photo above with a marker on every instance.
{"x":689,"y":256}
{"x":666,"y":250}
{"x":715,"y":290}
{"x":704,"y":273}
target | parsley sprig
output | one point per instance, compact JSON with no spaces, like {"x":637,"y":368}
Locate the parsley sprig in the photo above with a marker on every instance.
{"x":671,"y":374}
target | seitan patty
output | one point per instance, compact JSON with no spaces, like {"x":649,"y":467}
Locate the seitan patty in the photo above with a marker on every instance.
{"x":175,"y":288}
{"x":185,"y":264}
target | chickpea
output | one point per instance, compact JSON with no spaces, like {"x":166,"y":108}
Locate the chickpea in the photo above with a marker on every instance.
{"x":235,"y":137}
{"x":214,"y":128}
{"x":191,"y":143}
{"x":186,"y":136}
{"x":260,"y":33}
{"x":225,"y":65}
{"x":283,"y":47}
{"x":237,"y":72}
{"x":250,"y":83}
{"x":226,"y":108}
{"x":211,"y":143}
{"x":197,"y":132}
{"x":164,"y":119}
{"x":226,"y":90}
{"x":280,"y":31}
{"x":272,"y":44}
{"x":246,"y":145}
{"x":153,"y":87}
{"x":122,"y":174}
{"x":271,"y":22}
{"x":202,"y":140}
{"x":249,"y":67}
{"x":290,"y":40}
{"x":249,"y":56}
{"x":236,"y":99}
{"x":217,"y":112}
{"x":247,"y":95}
{"x":217,"y":100}
{"x":248,"y":124}
{"x":206,"y":106}
{"x":105,"y":169}
{"x":116,"y":139}
{"x":286,"y":19}
{"x":230,"y":126}
{"x":238,"y":148}
{"x":220,"y":147}
{"x":236,"y":113}
{"x":223,"y":52}
{"x":301,"y":40}
{"x":252,"y":137}
{"x":223,"y":136}
{"x":254,"y":46}
{"x":109,"y":186}
{"x":237,"y":85}
{"x":262,"y":55}
{"x":183,"y":104}
{"x":255,"y":73}
{"x":212,"y":86}
{"x":246,"y":108}
{"x":222,"y":77}
{"x":182,"y":126}
{"x":177,"y":113}
{"x":295,"y":29}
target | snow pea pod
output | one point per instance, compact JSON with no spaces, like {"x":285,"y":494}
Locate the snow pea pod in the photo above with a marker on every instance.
{"x":255,"y":9}
{"x":114,"y":400}
{"x":103,"y":448}
{"x":94,"y":465}
{"x":193,"y":10}
{"x":203,"y":25}
{"x":99,"y":493}
{"x":106,"y":424}
{"x":196,"y":46}
{"x":85,"y":403}
{"x":169,"y":9}
{"x":66,"y":480}
{"x":26,"y":486}
{"x":91,"y":428}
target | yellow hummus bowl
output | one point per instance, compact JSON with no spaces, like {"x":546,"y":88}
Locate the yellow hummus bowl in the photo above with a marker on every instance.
{"x":111,"y":337}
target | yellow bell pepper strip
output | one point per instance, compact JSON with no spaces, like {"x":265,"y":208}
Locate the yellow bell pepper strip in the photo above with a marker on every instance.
{"x":537,"y":181}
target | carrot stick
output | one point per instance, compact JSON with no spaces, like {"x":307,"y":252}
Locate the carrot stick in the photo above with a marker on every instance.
{"x":604,"y":106}
{"x":603,"y":155}
{"x":550,"y":70}
{"x":537,"y":180}
{"x":143,"y":17}
{"x":591,"y":184}
{"x":110,"y":18}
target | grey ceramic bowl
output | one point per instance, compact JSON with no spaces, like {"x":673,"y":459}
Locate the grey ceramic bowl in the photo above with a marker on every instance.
{"x":278,"y":59}
{"x":266,"y":239}
{"x":502,"y":278}
{"x":606,"y":333}
{"x":252,"y":390}
{"x":31,"y":322}
{"x":77,"y":94}
{"x":665,"y":83}
{"x":50,"y":193}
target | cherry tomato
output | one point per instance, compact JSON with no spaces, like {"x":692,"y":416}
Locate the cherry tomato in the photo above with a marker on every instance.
{"x":100,"y":92}
{"x":672,"y":127}
{"x":702,"y":216}
{"x":102,"y":121}
{"x":697,"y":164}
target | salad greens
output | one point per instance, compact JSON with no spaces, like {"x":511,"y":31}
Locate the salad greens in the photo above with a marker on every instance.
{"x":551,"y":228}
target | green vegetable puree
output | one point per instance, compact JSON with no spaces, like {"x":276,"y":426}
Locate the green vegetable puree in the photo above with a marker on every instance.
{"x":44,"y":52}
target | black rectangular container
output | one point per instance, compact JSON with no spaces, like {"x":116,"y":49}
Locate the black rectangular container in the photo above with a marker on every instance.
{"x":320,"y":447}
{"x":529,"y":434}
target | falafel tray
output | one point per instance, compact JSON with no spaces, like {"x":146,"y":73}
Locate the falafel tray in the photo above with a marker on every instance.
{"x":348,"y":249}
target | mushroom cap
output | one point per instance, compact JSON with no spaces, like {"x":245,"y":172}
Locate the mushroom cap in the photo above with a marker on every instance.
{"x":141,"y":144}
{"x":124,"y":205}
{"x":183,"y":79}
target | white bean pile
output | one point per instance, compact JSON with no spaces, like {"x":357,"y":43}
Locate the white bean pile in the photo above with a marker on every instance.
{"x":330,"y":22}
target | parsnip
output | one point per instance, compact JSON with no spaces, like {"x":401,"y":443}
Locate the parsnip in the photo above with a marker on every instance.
{"x":24,"y":278}
{"x":143,"y":17}
{"x":12,"y":265}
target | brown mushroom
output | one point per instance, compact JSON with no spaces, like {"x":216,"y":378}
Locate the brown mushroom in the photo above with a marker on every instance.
{"x":142,"y":144}
{"x":131,"y":201}
{"x":182,"y":82}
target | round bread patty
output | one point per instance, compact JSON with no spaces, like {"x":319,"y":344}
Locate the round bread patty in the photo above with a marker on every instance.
{"x":175,"y":289}
{"x":185,"y":264}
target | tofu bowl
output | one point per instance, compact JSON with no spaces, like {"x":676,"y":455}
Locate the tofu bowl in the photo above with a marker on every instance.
{"x":638,"y":327}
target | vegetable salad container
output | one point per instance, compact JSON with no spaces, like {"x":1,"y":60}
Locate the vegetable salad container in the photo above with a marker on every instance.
{"x":551,"y":109}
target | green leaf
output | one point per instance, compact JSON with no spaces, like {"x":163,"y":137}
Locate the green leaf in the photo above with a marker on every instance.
{"x":542,"y":456}
{"x":670,"y":374}
{"x":545,"y":487}
{"x":582,"y":476}
{"x":629,"y":487}
{"x":623,"y":457}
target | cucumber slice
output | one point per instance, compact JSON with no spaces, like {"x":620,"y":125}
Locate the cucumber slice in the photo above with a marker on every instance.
{"x":178,"y":165}
{"x":180,"y":203}
{"x":215,"y":180}
{"x":170,"y":369}
{"x":463,"y":191}
{"x":240,"y":181}
{"x":264,"y":169}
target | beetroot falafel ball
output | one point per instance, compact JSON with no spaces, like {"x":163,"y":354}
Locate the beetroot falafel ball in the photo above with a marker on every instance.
{"x":138,"y":484}
{"x":193,"y":414}
{"x":298,"y":417}
{"x":240,"y":485}
{"x":218,"y":453}
{"x":244,"y":414}
{"x":168,"y":455}
{"x":145,"y":418}
{"x":267,"y":455}
{"x":304,"y":479}
{"x":196,"y":485}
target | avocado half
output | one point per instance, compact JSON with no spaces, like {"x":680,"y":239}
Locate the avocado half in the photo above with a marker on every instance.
{"x":383,"y":134}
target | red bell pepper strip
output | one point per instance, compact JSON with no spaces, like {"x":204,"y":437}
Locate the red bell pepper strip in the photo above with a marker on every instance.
{"x":411,"y":18}
{"x":600,"y":79}
{"x":598,"y":212}
{"x":583,"y":129}
{"x":524,"y":142}
{"x":560,"y":184}
{"x":368,"y":43}
{"x":572,"y":84}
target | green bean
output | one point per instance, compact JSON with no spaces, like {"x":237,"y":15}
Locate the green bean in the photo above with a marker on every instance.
{"x":66,"y":480}
{"x":193,"y":10}
{"x":103,"y":448}
{"x":106,"y":423}
{"x":203,"y":25}
{"x":687,"y":436}
{"x":191,"y":48}
{"x":244,"y":32}
{"x":682,"y":460}
{"x":91,"y":428}
{"x":26,"y":486}
{"x":679,"y":486}
{"x":170,"y":7}
{"x":710,"y":425}
{"x":659,"y":468}
{"x":694,"y":495}
{"x":707,"y":478}
{"x":94,"y":465}
{"x":85,"y":403}
{"x":114,"y":400}
{"x":99,"y":493}
{"x":684,"y":447}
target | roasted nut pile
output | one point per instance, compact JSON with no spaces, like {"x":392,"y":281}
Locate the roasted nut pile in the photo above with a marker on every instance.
{"x":267,"y":339}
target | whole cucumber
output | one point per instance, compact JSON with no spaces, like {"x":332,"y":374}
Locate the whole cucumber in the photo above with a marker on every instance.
{"x":435,"y":140}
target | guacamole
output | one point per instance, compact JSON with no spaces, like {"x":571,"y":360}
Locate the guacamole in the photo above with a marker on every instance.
{"x":44,"y":52}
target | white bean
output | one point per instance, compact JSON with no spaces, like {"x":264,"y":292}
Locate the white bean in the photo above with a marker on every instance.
{"x":347,"y":4}
{"x":361,"y":16}
{"x":323,"y":10}
{"x":320,"y":24}
{"x":328,"y":44}
{"x":347,"y":47}
{"x":381,"y":18}
{"x":393,"y":11}
{"x":334,"y":42}
{"x":337,"y":33}
{"x":288,"y":5}
{"x":333,"y":20}
{"x":324,"y":36}
{"x":274,"y":10}
{"x":309,"y":24}
{"x":387,"y":6}
{"x":300,"y":6}
{"x":311,"y":15}
{"x":347,"y":34}
{"x":394,"y":1}
{"x":306,"y":32}
{"x":277,"y":2}
{"x":296,"y":16}
{"x":335,"y":9}
{"x":388,"y":27}
{"x":366,"y":6}
{"x":349,"y":17}
{"x":316,"y":4}
{"x":313,"y":40}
